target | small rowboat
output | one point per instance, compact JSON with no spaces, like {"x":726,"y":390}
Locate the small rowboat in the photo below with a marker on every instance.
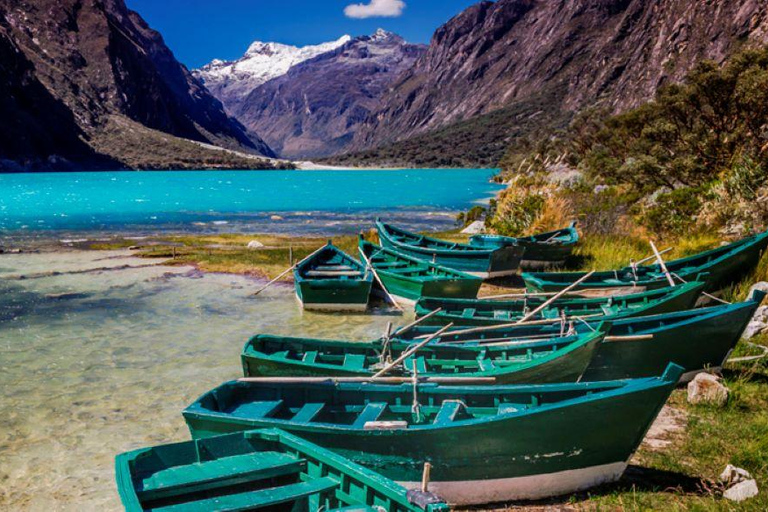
{"x":254,"y":470}
{"x":696,"y":339}
{"x":484,"y":443}
{"x":478,"y":261}
{"x":409,"y":279}
{"x":541,"y":250}
{"x":719,"y":267}
{"x":550,"y":360}
{"x":496,"y":312}
{"x":331,"y":280}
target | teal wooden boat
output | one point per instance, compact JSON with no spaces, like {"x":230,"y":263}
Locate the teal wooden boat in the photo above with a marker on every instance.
{"x":484,"y":443}
{"x":719,"y":267}
{"x":479,"y":261}
{"x":266,"y":469}
{"x":331,"y":280}
{"x":408,"y":279}
{"x":696,"y":339}
{"x":551,"y":360}
{"x":541,"y":250}
{"x":495,"y":312}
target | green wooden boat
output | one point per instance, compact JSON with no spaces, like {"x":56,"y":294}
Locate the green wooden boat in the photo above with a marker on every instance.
{"x":696,"y":339}
{"x":478,"y":261}
{"x":719,"y":267}
{"x":331,"y":280}
{"x":541,"y":250}
{"x":495,"y":312}
{"x":484,"y":443}
{"x":551,"y":360}
{"x":266,"y":469}
{"x":409,"y":279}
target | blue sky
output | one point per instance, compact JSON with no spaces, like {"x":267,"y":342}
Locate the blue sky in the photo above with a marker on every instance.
{"x":200,"y":30}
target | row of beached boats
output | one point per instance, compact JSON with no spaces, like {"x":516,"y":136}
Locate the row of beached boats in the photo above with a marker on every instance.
{"x":476,"y":401}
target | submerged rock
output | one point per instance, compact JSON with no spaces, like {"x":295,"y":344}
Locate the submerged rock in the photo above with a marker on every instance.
{"x":707,"y":388}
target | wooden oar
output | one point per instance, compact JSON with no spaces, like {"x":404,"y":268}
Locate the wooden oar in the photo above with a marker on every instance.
{"x":662,"y":264}
{"x":402,"y":330}
{"x":292,"y":267}
{"x":384,"y":380}
{"x":411,"y":350}
{"x":555,"y":297}
{"x":378,"y":279}
{"x":524,"y":295}
{"x":504,"y":326}
{"x":649,"y":258}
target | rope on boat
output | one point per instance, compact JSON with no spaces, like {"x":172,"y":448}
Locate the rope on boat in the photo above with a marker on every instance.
{"x":750,"y":358}
{"x":585,"y":323}
{"x":416,"y":407}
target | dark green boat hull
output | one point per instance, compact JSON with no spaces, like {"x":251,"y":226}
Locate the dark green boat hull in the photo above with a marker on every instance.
{"x":539,"y":253}
{"x":566,"y":363}
{"x":334,"y":294}
{"x":553,"y":449}
{"x":719,"y":268}
{"x":679,"y":298}
{"x":696,"y":339}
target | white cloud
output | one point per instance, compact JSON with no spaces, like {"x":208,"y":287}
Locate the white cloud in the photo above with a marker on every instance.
{"x":375,"y":8}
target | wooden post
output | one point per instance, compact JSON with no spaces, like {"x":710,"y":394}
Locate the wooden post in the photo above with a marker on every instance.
{"x":662,"y":264}
{"x":290,"y":254}
{"x":288,"y":270}
{"x":411,"y":350}
{"x":425,"y":477}
{"x":378,"y":280}
{"x":555,"y":297}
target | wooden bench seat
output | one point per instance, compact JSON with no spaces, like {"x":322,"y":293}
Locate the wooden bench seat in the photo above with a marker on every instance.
{"x":255,"y":410}
{"x":224,"y":472}
{"x":333,"y":273}
{"x":371,"y":412}
{"x":257,"y":499}
{"x":308,"y":412}
{"x":354,"y":361}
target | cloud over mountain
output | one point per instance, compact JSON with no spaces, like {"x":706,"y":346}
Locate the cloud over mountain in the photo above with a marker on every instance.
{"x":375,"y":8}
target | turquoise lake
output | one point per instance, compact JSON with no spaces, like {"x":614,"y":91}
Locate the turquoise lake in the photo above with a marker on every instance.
{"x":266,"y":201}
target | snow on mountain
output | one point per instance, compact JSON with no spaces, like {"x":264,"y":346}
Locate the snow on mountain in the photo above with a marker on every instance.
{"x":230,"y":81}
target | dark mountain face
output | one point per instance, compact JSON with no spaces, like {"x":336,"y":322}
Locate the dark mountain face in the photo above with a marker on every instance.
{"x":495,"y":54}
{"x":315,"y":108}
{"x":96,"y":59}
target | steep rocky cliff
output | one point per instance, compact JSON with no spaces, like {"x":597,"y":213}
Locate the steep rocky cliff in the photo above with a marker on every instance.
{"x":78,"y":64}
{"x":495,"y":54}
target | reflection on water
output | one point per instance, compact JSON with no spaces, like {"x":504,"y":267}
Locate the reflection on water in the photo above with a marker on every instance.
{"x":98,"y":363}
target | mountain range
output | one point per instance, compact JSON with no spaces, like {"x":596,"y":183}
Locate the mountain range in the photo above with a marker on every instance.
{"x":89,"y":83}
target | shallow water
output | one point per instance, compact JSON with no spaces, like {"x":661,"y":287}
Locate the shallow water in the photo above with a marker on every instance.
{"x":93,"y":364}
{"x":206,"y":201}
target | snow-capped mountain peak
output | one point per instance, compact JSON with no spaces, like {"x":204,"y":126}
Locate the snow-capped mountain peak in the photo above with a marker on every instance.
{"x":262,"y":62}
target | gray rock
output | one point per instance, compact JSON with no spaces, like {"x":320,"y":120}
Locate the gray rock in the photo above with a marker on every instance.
{"x":474,"y":228}
{"x":733,"y":475}
{"x":758,"y":324}
{"x":706,"y":388}
{"x":255,"y":244}
{"x":741,"y":491}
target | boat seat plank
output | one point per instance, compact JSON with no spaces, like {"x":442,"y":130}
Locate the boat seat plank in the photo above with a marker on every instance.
{"x":308,"y":412}
{"x":333,"y":273}
{"x":468,"y":312}
{"x":180,"y":480}
{"x":421,"y":364}
{"x":334,"y":267}
{"x":310,"y":357}
{"x":354,"y":361}
{"x":510,"y":408}
{"x":448,"y":412}
{"x":371,"y":412}
{"x":486,"y":365}
{"x":256,"y":409}
{"x":256,"y":499}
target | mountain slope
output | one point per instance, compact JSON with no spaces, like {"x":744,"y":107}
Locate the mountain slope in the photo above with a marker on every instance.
{"x":232,"y":81}
{"x":314,"y":109}
{"x":619,"y":52}
{"x":96,"y":60}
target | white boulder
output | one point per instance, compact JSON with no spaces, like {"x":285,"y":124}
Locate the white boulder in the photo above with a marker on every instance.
{"x":255,"y":244}
{"x":741,"y":491}
{"x":474,"y":228}
{"x":707,"y":388}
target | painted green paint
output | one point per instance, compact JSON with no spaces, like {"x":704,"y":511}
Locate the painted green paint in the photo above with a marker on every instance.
{"x":249,"y":470}
{"x":492,"y":431}
{"x":332,"y":278}
{"x":413,"y":278}
{"x":551,"y":360}
{"x":498,"y":312}
{"x":552,"y":247}
{"x":719,"y":267}
{"x":462,"y":257}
